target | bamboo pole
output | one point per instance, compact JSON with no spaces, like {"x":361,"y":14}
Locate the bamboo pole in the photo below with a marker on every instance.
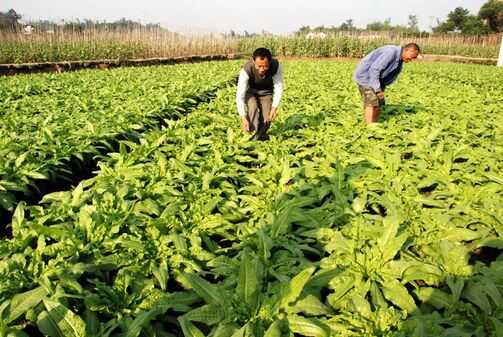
{"x":500,"y":59}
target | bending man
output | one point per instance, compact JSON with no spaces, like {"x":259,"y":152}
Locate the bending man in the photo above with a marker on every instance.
{"x":376,"y":71}
{"x":260,"y":87}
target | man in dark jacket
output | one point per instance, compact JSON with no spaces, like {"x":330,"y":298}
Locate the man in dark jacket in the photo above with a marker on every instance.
{"x":260,"y":87}
{"x":376,"y":71}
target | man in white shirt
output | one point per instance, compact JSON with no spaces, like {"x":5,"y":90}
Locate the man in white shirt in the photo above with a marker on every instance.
{"x":260,"y":87}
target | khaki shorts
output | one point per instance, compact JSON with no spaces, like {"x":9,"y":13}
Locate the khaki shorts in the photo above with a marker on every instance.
{"x":369,"y":97}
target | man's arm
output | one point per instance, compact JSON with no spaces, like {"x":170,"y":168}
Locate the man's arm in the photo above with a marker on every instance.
{"x":241,"y":92}
{"x":278,"y":92}
{"x":241,"y":98}
{"x":375,"y":71}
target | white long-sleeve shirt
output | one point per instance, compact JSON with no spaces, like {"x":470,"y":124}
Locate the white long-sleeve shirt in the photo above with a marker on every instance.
{"x":243,"y":88}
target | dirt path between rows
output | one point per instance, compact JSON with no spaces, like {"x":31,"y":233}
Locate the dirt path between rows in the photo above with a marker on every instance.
{"x":57,"y":67}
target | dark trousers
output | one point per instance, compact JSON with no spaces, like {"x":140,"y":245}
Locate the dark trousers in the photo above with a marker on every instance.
{"x":259,"y":108}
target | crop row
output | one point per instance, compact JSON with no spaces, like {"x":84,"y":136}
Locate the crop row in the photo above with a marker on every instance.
{"x":49,"y":122}
{"x":330,"y":228}
{"x":132,"y":44}
{"x":348,"y":46}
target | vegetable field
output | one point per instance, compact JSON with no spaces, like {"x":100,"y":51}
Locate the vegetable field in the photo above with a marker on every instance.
{"x":331,"y":228}
{"x":52,"y":122}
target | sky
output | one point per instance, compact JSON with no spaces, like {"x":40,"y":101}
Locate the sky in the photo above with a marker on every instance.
{"x":275,"y":16}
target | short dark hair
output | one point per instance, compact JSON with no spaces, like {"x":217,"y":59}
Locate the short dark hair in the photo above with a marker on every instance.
{"x":412,"y":45}
{"x":262,"y":53}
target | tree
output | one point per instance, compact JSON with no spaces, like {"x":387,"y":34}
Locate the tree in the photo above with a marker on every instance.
{"x":492,"y":13}
{"x":9,"y":19}
{"x":458,"y":17}
{"x":380,"y":26}
{"x":303,"y":30}
{"x":413,"y":24}
{"x":455,"y":22}
{"x":474,"y":25}
{"x":347,"y":25}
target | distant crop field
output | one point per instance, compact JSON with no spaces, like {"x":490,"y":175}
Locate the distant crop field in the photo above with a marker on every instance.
{"x":96,"y":44}
{"x":330,"y":228}
{"x":355,"y":45}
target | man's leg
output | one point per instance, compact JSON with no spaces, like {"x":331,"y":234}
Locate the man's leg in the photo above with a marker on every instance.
{"x":265,"y":105}
{"x":371,"y":104}
{"x":253,"y":113}
{"x":372,"y":114}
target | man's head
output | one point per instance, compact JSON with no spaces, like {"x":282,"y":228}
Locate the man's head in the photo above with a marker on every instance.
{"x":410,"y":52}
{"x":262,"y":58}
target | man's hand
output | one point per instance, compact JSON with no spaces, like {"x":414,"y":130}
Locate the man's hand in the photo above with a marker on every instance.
{"x":246,"y":124}
{"x":272,"y":114}
{"x":380,"y":95}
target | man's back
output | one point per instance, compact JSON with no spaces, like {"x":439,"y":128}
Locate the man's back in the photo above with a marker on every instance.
{"x":386,"y":58}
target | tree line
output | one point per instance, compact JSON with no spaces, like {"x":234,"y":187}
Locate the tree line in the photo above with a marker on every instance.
{"x":488,"y":20}
{"x":10,"y":20}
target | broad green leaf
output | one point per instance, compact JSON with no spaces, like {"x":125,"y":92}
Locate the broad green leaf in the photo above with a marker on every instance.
{"x":430,"y":274}
{"x":209,"y":314}
{"x":274,"y":329}
{"x":390,"y":231}
{"x":310,"y":306}
{"x":361,"y":305}
{"x":248,"y":286}
{"x":474,"y":292}
{"x":224,"y":330}
{"x":149,"y":206}
{"x":265,"y":244}
{"x":397,"y":294}
{"x":245,"y":331}
{"x":287,"y":174}
{"x":377,"y":297}
{"x":455,"y":258}
{"x":461,"y":234}
{"x":189,"y":329}
{"x":308,"y":327}
{"x":491,"y":289}
{"x":36,"y":175}
{"x":206,"y":290}
{"x":498,"y":326}
{"x":359,"y":204}
{"x":280,"y":224}
{"x":59,"y":321}
{"x":92,"y":322}
{"x":393,"y":247}
{"x":86,"y":220}
{"x":494,"y":178}
{"x":134,"y":329}
{"x":342,"y":286}
{"x":18,"y":217}
{"x":161,"y":274}
{"x":296,"y":286}
{"x":456,"y":286}
{"x":77,"y":194}
{"x":322,"y":278}
{"x":22,"y":302}
{"x":434,"y":297}
{"x":20,"y":159}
